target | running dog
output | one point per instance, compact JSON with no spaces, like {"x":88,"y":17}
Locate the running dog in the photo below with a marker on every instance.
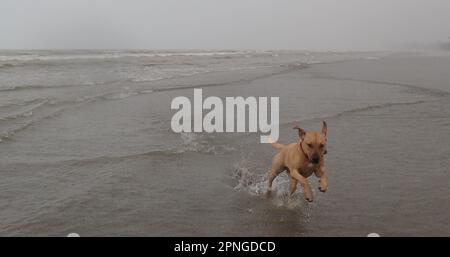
{"x":301,"y":160}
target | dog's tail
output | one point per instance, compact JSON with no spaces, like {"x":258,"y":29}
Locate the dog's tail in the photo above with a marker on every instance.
{"x":275,"y":145}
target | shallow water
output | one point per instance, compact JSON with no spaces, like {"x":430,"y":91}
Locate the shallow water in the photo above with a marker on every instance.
{"x":87,"y":145}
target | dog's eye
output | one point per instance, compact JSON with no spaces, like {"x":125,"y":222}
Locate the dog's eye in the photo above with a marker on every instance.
{"x":309,"y":145}
{"x":321,"y":145}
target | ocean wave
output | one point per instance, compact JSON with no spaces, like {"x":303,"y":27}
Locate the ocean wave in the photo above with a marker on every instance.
{"x":280,"y":70}
{"x":354,"y":111}
{"x":127,"y":92}
{"x":154,"y":75}
{"x":374,"y":107}
{"x":16,"y":104}
{"x":43,"y":87}
{"x":412,"y":88}
{"x":8,"y":134}
{"x":7,"y":65}
{"x":27,"y":112}
{"x":150,"y":76}
{"x":191,"y":143}
{"x":110,"y":55}
{"x":161,"y":74}
{"x":124,"y":93}
{"x":28,"y":109}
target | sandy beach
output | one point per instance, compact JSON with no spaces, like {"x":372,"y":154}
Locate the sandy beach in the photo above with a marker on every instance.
{"x":86,"y":144}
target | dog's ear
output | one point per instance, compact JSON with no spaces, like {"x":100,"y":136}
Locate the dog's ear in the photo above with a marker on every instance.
{"x":324,"y":128}
{"x":301,"y":132}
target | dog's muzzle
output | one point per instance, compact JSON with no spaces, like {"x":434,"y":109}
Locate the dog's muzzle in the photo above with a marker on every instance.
{"x":315,"y":159}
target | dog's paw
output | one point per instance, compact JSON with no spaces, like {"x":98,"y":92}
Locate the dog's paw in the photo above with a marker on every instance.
{"x":269,"y":193}
{"x":309,"y":199}
{"x":322,"y":189}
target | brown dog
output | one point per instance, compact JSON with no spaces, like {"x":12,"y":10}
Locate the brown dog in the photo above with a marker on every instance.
{"x":301,"y":159}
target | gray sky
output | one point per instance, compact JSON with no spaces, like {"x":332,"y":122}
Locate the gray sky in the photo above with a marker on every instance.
{"x":222,"y":24}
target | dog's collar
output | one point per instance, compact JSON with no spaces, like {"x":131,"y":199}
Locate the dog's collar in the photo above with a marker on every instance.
{"x":300,"y":149}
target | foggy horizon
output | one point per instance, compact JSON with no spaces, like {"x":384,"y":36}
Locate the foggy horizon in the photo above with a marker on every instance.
{"x":225,"y":25}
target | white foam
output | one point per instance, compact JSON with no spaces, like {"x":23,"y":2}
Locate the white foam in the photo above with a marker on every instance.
{"x":121,"y":95}
{"x":110,"y":55}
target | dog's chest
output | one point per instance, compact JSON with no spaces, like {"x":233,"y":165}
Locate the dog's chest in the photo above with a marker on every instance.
{"x":308,"y":169}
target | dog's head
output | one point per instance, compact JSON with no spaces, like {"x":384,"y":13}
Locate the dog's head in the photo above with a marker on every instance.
{"x":313,"y":143}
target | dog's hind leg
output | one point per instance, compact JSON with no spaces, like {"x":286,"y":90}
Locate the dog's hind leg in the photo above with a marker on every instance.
{"x":276,"y":169}
{"x":273,"y":173}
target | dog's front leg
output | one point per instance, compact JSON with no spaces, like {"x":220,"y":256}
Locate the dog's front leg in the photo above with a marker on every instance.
{"x":323,"y":179}
{"x":292,"y":186}
{"x":304,"y":182}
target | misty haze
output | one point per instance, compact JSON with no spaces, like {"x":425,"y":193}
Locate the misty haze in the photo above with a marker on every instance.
{"x":202,"y":24}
